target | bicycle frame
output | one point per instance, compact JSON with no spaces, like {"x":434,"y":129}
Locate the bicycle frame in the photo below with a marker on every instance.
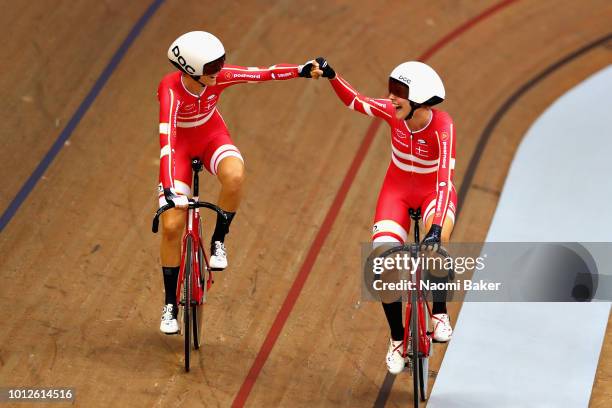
{"x":198,"y":266}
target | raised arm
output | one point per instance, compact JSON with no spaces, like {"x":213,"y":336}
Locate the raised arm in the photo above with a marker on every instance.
{"x":381,"y":108}
{"x":234,"y":74}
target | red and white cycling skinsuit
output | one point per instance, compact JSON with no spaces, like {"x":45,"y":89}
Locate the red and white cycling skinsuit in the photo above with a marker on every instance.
{"x":190,"y":125}
{"x":421,"y":171}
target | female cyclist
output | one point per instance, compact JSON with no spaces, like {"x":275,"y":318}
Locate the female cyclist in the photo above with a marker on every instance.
{"x":191,"y":126}
{"x":420,"y":174}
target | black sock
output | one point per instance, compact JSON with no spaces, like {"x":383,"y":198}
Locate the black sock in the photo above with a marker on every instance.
{"x":222,"y":227}
{"x":438,"y":307}
{"x":393,"y":312}
{"x":170,"y":280}
{"x":438,"y":296}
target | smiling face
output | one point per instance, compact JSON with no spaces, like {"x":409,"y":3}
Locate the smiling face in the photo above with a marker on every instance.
{"x":398,"y":94}
{"x":197,"y":86}
{"x":401,"y":105}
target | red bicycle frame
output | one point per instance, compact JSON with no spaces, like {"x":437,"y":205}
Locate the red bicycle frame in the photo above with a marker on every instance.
{"x":422,"y":335}
{"x":192,"y":230}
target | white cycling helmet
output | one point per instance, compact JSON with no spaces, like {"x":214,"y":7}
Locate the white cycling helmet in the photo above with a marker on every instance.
{"x":197,"y":53}
{"x":424,"y":84}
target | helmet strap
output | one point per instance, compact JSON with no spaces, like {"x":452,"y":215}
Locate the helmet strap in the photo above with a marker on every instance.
{"x":413,"y":106}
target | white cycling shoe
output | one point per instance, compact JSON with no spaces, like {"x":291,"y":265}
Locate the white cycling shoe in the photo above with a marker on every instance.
{"x":218,"y":257}
{"x":442,"y":330}
{"x":395,"y":361}
{"x":169,"y":324}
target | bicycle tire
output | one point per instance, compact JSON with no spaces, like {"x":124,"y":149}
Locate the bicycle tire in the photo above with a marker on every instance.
{"x":187,"y":302}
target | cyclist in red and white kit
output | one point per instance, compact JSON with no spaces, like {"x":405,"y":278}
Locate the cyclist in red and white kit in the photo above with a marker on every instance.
{"x":420,"y":174}
{"x":190,"y":126}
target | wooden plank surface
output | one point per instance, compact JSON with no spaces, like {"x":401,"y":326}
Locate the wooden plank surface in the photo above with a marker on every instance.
{"x":80,"y":279}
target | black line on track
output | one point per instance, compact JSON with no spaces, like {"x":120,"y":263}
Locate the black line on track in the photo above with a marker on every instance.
{"x":56,"y":147}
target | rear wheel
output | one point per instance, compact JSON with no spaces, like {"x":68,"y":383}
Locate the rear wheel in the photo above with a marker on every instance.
{"x":187,"y":289}
{"x":195,"y":313}
{"x":424,"y":361}
{"x":198,"y":310}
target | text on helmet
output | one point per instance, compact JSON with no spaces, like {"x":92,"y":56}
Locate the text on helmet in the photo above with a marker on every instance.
{"x":177,"y":53}
{"x":403,"y":78}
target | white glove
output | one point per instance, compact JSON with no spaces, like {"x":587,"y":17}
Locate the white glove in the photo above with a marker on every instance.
{"x":179,"y":200}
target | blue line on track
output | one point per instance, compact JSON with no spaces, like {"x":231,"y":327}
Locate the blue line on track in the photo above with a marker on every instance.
{"x":46,"y":161}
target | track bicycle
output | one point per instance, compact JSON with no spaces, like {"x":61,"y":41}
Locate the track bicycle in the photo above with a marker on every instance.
{"x":417,"y":315}
{"x":195,"y":275}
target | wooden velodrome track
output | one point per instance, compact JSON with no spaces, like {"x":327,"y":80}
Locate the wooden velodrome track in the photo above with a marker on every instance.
{"x":81,"y":289}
